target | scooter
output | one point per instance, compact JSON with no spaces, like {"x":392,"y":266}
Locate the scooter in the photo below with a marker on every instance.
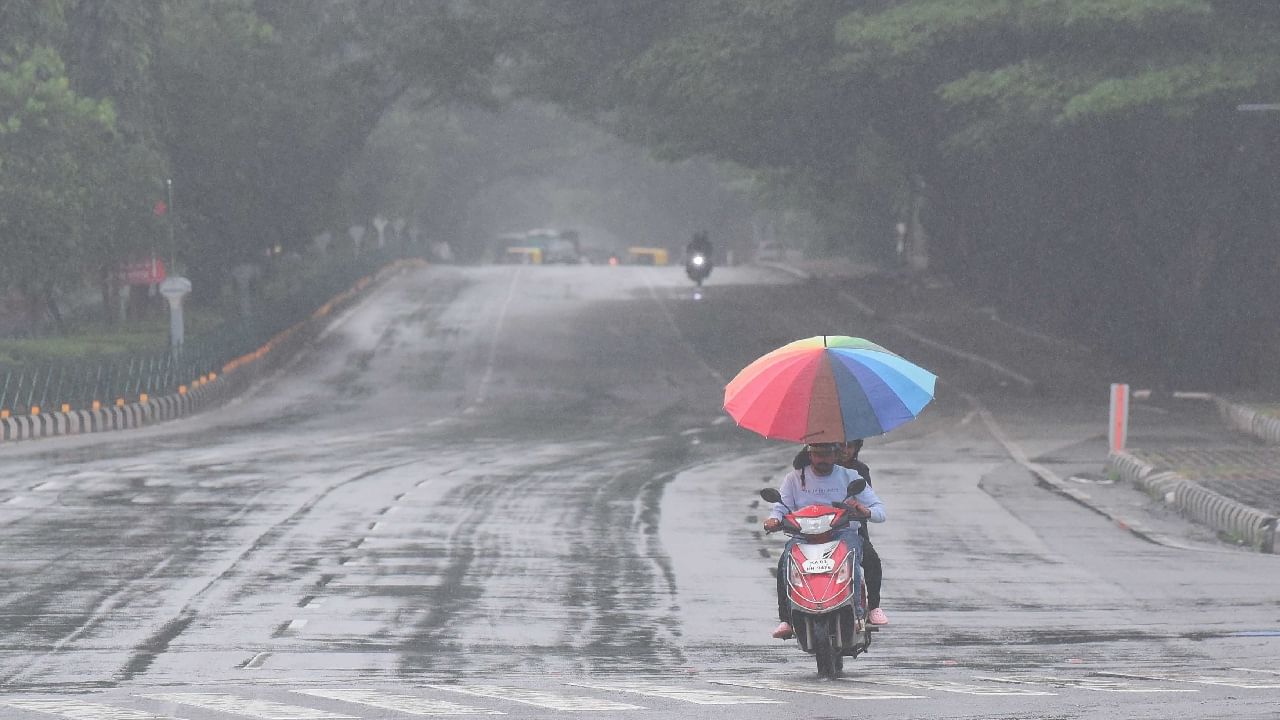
{"x":697,"y":267}
{"x":824,"y":583}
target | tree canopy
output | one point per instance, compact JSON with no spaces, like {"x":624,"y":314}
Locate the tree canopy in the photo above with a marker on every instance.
{"x":1081,"y":160}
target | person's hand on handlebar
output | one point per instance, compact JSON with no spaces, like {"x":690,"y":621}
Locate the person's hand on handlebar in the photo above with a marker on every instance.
{"x":772,"y":524}
{"x":860,"y":511}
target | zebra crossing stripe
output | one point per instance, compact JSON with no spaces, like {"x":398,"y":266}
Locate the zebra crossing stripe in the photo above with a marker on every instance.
{"x":538,"y":698}
{"x":80,"y":710}
{"x":692,"y":695}
{"x":400,"y":703}
{"x":1100,"y":684}
{"x":948,"y":686}
{"x":1225,"y":681}
{"x":844,"y":692}
{"x":235,"y":705}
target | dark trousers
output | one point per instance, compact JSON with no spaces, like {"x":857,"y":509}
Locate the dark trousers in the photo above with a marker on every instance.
{"x":871,"y":570}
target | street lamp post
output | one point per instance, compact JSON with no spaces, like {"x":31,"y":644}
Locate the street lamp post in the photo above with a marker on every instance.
{"x":173,"y":244}
{"x":174,"y":288}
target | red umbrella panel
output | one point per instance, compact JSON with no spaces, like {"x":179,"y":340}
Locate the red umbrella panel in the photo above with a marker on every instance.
{"x":828,"y":388}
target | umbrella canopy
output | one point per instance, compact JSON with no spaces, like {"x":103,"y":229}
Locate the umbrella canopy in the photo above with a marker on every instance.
{"x":828,"y":388}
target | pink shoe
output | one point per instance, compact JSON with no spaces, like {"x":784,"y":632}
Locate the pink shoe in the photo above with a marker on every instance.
{"x":877,"y":617}
{"x":783,"y":631}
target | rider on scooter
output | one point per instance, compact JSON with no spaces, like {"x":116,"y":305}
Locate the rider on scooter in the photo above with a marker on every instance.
{"x":699,"y":245}
{"x":818,"y":484}
{"x":847,"y":456}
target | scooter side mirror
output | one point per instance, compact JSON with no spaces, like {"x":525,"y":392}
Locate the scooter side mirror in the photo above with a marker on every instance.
{"x":771,"y":495}
{"x":857,"y":486}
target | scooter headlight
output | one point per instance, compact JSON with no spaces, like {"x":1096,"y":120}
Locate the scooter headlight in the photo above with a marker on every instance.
{"x":699,"y":261}
{"x":815,"y":525}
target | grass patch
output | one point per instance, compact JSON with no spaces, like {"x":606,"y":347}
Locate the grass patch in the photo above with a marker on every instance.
{"x":88,"y":339}
{"x":288,"y":292}
{"x":1272,"y":409}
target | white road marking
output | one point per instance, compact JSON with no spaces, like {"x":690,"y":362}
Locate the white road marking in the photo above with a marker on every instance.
{"x":257,"y":661}
{"x":538,"y":698}
{"x":1086,"y":683}
{"x":400,"y":703}
{"x":949,"y":686}
{"x":79,"y":710}
{"x":1226,"y":681}
{"x":296,"y":624}
{"x":844,"y":692}
{"x":675,"y":328}
{"x":694,"y":695}
{"x":264,"y":709}
{"x":482,"y":390}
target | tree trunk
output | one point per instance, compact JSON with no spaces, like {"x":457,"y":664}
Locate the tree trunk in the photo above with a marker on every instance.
{"x":917,"y":240}
{"x":51,"y":303}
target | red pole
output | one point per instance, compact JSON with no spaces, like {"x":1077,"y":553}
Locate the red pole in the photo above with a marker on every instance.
{"x":1118,"y":428}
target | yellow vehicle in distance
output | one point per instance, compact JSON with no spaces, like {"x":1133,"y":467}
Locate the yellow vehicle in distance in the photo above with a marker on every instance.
{"x":518,"y":255}
{"x":647,"y":256}
{"x":537,"y":247}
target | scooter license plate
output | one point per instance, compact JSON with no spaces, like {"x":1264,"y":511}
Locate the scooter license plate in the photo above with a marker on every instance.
{"x":821,"y":565}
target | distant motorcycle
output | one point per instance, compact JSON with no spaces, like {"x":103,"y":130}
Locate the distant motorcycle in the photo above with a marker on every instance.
{"x":698,"y":267}
{"x":825,"y":585}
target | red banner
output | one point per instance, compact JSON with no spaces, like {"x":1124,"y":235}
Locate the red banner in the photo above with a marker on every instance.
{"x":146,"y":272}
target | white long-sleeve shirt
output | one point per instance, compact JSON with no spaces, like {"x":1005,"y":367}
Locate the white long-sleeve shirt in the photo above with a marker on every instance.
{"x":821,"y":490}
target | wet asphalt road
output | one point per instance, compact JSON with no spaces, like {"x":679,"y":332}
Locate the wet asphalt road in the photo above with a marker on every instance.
{"x":513,"y":490}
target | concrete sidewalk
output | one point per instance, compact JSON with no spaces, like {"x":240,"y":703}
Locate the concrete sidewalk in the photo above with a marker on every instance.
{"x":1233,"y":487}
{"x":1216,"y":463}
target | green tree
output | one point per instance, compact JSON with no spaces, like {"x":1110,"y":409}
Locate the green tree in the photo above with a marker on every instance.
{"x":268,"y":103}
{"x":49,"y":136}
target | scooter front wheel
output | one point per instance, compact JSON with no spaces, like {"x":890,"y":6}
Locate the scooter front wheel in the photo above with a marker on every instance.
{"x":830,"y":664}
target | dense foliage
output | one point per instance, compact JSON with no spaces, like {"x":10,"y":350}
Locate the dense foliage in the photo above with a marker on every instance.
{"x":1081,"y":160}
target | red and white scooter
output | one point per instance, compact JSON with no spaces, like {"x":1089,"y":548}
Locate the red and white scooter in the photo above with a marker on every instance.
{"x":824,"y":582}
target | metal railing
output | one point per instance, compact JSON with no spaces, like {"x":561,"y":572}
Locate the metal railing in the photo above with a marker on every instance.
{"x":103,"y":381}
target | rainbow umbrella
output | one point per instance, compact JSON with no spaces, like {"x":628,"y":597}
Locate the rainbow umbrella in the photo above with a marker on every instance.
{"x":828,"y":388}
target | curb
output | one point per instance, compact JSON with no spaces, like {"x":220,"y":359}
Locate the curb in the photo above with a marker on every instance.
{"x":203,"y":392}
{"x":1249,"y":421}
{"x":1223,"y":514}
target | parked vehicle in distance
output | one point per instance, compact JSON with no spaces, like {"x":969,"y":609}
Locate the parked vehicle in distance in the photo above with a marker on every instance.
{"x":561,"y":250}
{"x":538,"y":247}
{"x":558,"y":246}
